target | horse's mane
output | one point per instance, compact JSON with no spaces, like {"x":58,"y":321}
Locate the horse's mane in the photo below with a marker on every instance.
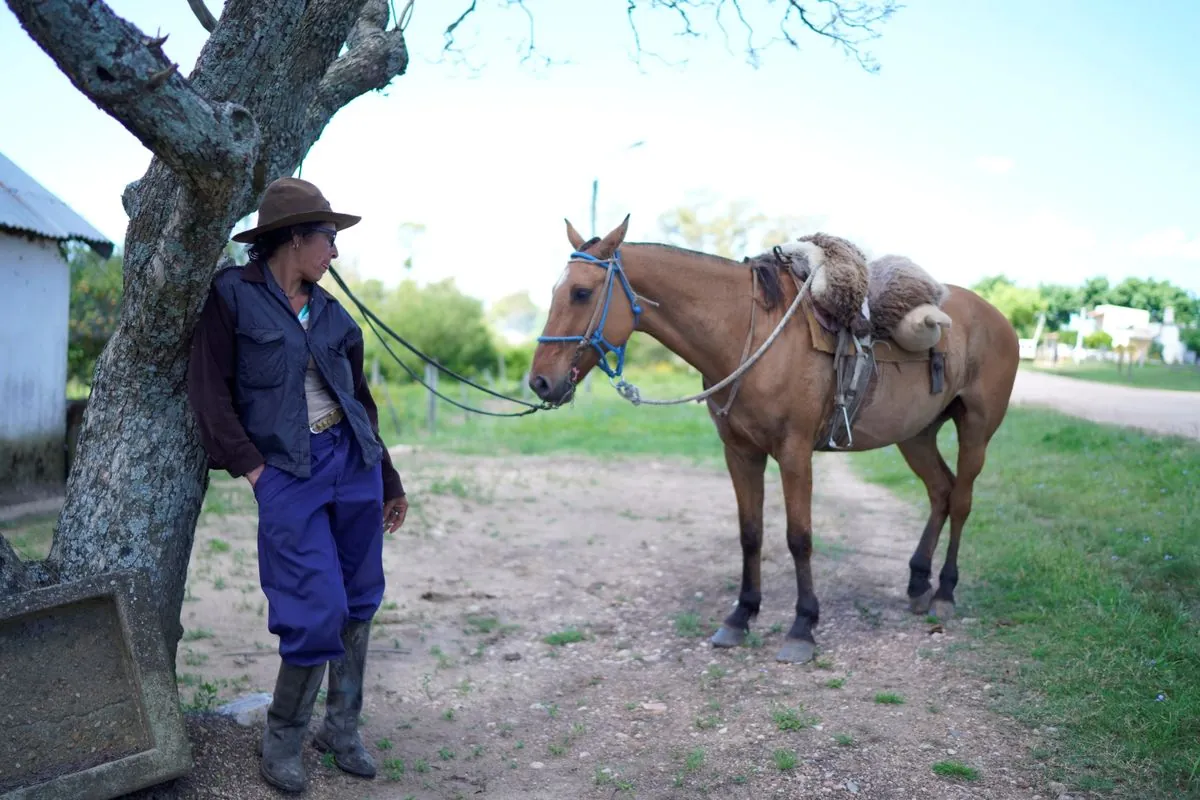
{"x":767,"y":270}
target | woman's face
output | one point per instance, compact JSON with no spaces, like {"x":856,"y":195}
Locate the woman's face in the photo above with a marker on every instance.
{"x":315,"y":251}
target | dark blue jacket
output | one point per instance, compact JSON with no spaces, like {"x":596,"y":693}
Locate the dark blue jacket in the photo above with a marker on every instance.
{"x":246,"y":376}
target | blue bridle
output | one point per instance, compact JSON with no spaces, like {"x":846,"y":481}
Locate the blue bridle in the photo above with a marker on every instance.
{"x":596,"y":338}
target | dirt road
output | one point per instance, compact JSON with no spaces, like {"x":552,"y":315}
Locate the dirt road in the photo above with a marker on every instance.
{"x":637,"y":560}
{"x":1154,"y":410}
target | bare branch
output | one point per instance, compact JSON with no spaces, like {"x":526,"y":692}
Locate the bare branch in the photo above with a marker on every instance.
{"x":449,"y":34}
{"x":375,"y":55}
{"x":860,"y":17}
{"x":203,"y":14}
{"x":125,"y":73}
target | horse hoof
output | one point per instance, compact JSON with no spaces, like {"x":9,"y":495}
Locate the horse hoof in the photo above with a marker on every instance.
{"x":920,"y":603}
{"x":728,"y":637}
{"x":943,"y":609}
{"x":796,"y":651}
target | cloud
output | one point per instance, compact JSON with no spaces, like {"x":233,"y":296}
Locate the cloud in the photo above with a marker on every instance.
{"x":1167,"y":243}
{"x":996,"y":165}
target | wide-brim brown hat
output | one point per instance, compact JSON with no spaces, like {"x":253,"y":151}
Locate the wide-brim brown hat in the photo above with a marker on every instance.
{"x":292,"y":201}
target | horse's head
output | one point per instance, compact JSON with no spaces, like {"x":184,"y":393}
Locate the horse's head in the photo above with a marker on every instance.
{"x":593,"y":312}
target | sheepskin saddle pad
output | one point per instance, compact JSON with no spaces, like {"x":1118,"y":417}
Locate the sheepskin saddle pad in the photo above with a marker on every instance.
{"x":892,"y":301}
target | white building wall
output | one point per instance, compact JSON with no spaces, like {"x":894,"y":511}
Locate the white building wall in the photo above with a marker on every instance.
{"x":35,"y":289}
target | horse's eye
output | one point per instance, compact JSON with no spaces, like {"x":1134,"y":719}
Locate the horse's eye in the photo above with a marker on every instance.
{"x":581,"y":295}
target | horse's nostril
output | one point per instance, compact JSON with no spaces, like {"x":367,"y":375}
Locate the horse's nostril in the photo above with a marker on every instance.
{"x":540,"y":385}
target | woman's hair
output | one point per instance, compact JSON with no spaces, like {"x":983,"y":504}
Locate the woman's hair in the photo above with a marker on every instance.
{"x":265,"y":245}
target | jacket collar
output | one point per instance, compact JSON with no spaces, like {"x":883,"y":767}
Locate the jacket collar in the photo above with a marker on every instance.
{"x":254,"y":272}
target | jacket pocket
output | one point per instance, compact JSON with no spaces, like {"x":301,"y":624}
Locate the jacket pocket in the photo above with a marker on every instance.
{"x":261,"y":361}
{"x":339,"y":359}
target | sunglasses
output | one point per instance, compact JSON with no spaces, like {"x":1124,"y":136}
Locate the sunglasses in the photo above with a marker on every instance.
{"x":330,"y":233}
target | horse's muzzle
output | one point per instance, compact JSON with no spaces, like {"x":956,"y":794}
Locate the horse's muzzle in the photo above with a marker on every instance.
{"x":554,"y":392}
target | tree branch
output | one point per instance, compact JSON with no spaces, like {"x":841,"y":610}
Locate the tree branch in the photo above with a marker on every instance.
{"x":375,"y":56}
{"x":203,"y":14}
{"x":126,"y":74}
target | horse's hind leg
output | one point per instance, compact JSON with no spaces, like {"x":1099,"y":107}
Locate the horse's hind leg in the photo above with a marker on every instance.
{"x":746,"y":470}
{"x":923,"y":458}
{"x":974,"y":432}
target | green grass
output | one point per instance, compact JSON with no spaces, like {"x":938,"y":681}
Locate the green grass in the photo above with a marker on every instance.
{"x":1149,"y":376}
{"x":955,"y":769}
{"x":1081,"y":561}
{"x":889,"y":699}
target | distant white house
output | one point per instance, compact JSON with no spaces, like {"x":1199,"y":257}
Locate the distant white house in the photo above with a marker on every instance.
{"x":35,"y":284}
{"x":1131,"y":328}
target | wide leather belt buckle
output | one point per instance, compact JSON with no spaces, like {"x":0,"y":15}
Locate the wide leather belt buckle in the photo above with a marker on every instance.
{"x":328,"y":421}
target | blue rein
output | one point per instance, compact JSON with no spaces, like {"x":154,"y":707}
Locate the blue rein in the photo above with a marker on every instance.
{"x":596,"y":339}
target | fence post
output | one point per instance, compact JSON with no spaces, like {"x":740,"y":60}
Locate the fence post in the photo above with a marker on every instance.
{"x":431,"y":378}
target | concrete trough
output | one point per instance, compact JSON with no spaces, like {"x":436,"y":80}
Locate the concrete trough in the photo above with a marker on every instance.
{"x":90,"y":708}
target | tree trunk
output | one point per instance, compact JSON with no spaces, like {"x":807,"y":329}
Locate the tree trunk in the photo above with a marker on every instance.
{"x":265,"y":85}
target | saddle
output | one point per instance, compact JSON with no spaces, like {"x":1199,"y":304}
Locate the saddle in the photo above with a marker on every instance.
{"x":856,"y":362}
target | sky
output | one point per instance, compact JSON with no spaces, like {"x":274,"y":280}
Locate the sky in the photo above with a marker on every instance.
{"x":1045,"y":141}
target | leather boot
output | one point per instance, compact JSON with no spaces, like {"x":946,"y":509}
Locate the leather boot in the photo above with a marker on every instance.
{"x":291,"y":708}
{"x":343,"y":704}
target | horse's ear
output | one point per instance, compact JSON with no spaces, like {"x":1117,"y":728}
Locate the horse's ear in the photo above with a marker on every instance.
{"x":573,"y":236}
{"x":610,"y":243}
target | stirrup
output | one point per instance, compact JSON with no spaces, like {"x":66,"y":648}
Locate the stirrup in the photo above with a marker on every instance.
{"x":833,"y":429}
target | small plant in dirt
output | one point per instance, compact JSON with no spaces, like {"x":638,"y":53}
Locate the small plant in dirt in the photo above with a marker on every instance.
{"x":694,"y":760}
{"x":194,"y":659}
{"x":393,"y":769}
{"x":445,"y":754}
{"x":889,"y":699}
{"x":687,"y":624}
{"x":218,"y":546}
{"x":785,"y":760}
{"x":198,"y":633}
{"x":844,"y":739}
{"x":793,"y":719}
{"x":384,"y":744}
{"x":955,"y":769}
{"x":327,"y":760}
{"x":569,"y":636}
{"x":448,"y":715}
{"x":481,"y":625}
{"x":835,"y":683}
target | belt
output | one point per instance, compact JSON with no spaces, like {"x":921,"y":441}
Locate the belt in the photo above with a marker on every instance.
{"x":328,"y":421}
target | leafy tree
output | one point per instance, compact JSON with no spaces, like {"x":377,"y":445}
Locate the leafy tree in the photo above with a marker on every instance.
{"x":1021,"y":305}
{"x":95,"y":308}
{"x":267,"y":81}
{"x":1061,"y":302}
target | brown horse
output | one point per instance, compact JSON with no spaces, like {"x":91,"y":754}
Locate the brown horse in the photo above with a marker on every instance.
{"x":699,"y":306}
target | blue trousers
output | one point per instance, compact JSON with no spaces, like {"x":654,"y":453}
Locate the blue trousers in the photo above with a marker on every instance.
{"x":320,"y":547}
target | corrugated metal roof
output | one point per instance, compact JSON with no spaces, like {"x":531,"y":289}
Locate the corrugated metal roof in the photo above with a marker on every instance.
{"x":26,"y":206}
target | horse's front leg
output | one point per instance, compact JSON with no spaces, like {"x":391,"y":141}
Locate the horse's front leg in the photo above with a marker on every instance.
{"x":746,"y":470}
{"x":796,"y":471}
